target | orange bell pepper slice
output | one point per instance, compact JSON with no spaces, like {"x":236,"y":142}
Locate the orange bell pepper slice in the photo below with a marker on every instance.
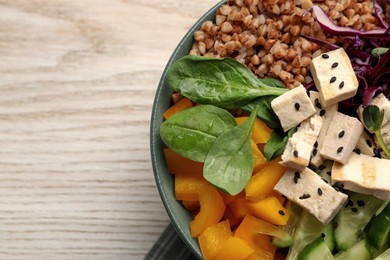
{"x":178,"y":164}
{"x":187,"y":187}
{"x":234,"y":248}
{"x":270,"y":210}
{"x":262,"y":183}
{"x":213,"y":239}
{"x":212,"y":209}
{"x":250,"y":230}
{"x":183,"y":104}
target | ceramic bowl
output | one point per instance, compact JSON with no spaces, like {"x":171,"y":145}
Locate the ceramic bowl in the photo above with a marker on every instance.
{"x":179,"y":216}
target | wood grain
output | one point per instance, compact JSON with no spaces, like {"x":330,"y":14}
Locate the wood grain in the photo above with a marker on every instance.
{"x":77,"y":83}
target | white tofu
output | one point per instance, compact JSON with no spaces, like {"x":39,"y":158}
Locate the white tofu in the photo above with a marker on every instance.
{"x":341,"y":138}
{"x":383,"y":103}
{"x":366,"y":145}
{"x":327,"y":114}
{"x":293,"y":107}
{"x":334,"y":77}
{"x":300,"y":145}
{"x":364,"y":174}
{"x":307,"y":189}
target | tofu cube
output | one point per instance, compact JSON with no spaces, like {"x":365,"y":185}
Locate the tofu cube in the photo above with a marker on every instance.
{"x":307,"y":189}
{"x":366,"y":145}
{"x":364,"y":174}
{"x":300,"y":146}
{"x":327,"y":114}
{"x":293,"y":107}
{"x":341,"y":138}
{"x":334,"y":77}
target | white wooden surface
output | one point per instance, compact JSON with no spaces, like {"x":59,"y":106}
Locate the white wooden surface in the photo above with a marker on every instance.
{"x":77,"y":83}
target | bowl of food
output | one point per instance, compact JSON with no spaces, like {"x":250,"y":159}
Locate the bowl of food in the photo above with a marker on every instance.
{"x":270,"y":131}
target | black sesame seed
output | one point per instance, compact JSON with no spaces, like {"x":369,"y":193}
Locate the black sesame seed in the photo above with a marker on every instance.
{"x":297,"y":174}
{"x":281,"y":212}
{"x":334,"y":65}
{"x":317,"y":103}
{"x":349,"y":203}
{"x":340,"y":149}
{"x":316,"y":144}
{"x":325,"y":56}
{"x":295,"y":153}
{"x":333,"y":79}
{"x":341,"y":134}
{"x":322,"y":112}
{"x":297,"y":106}
{"x":315,"y":151}
{"x":321,"y":167}
{"x":360,"y":203}
{"x":324,"y":180}
{"x":319,"y":191}
{"x":322,"y":235}
{"x":304,"y":196}
{"x":354,"y":209}
{"x":357,"y":150}
{"x":369,"y":143}
{"x":329,"y":173}
{"x":341,"y":85}
{"x":296,"y":179}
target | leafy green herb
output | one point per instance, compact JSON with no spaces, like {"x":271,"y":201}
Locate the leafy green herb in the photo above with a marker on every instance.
{"x":229,"y":163}
{"x":373,"y":118}
{"x":266,"y":113}
{"x":225,"y":83}
{"x":277,"y":143}
{"x":377,"y":52}
{"x":192,"y":132}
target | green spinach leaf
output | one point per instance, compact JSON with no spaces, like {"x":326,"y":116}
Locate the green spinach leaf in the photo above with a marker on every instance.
{"x":225,"y":83}
{"x":266,"y":113}
{"x":229,"y":163}
{"x":373,"y":118}
{"x":192,"y":132}
{"x":277,"y":143}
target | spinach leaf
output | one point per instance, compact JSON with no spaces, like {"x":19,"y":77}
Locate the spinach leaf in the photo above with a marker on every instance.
{"x":277,"y":143}
{"x":373,"y":118}
{"x":225,"y":83}
{"x":192,"y":132}
{"x":229,"y":163}
{"x":266,"y":113}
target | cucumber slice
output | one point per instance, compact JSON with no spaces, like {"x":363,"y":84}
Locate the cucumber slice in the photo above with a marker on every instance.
{"x":292,"y":223}
{"x":384,"y":256}
{"x":361,"y":250}
{"x":382,"y":207}
{"x":380,"y":228}
{"x":317,"y":250}
{"x":308,"y":230}
{"x":328,"y":235}
{"x":353,"y":218}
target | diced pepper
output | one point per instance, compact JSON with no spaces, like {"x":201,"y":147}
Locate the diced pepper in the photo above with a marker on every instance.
{"x":178,"y":164}
{"x":233,"y":220}
{"x":259,"y":160}
{"x":250,"y":230}
{"x":187,"y":187}
{"x":262,"y":183}
{"x":212,"y":208}
{"x":234,"y":248}
{"x":190,"y":205}
{"x":229,"y":199}
{"x":213,"y":239}
{"x":183,"y":104}
{"x":240,"y":208}
{"x":270,"y":210}
{"x":261,"y":133}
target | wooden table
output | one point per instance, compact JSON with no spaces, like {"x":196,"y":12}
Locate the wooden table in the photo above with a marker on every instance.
{"x":77,"y":83}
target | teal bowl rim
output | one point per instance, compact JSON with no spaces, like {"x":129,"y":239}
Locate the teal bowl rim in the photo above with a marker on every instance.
{"x":178,"y":215}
